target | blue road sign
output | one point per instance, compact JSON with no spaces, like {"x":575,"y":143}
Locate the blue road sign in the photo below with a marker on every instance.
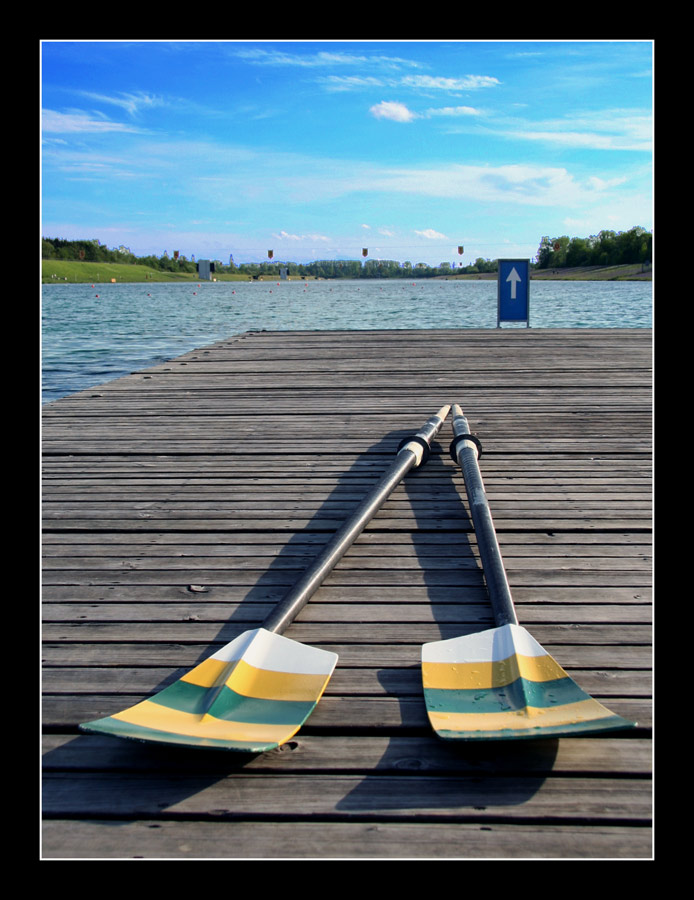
{"x":514,"y":290}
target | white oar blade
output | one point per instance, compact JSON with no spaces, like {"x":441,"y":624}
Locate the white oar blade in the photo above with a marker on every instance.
{"x":250,"y":696}
{"x":501,"y":684}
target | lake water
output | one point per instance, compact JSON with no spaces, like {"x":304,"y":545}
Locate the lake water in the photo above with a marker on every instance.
{"x":91,"y":335}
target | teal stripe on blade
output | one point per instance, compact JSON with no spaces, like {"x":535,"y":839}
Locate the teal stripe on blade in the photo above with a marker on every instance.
{"x":117,"y":728}
{"x":517,"y":695}
{"x":612,"y":723}
{"x":230,"y":706}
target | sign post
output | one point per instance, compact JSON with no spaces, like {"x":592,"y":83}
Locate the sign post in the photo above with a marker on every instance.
{"x":513,"y":291}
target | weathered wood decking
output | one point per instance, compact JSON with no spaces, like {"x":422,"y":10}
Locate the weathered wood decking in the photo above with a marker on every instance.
{"x":181,"y":502}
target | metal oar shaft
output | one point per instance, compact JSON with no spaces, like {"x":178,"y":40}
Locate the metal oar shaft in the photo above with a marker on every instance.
{"x":410,"y":454}
{"x":466,"y":452}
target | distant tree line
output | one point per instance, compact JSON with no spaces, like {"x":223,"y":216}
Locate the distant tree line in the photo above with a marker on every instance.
{"x":355,"y":268}
{"x":95,"y":251}
{"x":607,"y":248}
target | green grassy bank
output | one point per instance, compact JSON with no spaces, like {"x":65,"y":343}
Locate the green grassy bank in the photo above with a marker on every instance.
{"x":56,"y":271}
{"x":629,"y":272}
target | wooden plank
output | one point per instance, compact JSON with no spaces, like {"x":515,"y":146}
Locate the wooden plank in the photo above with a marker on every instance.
{"x":376,"y":797}
{"x":334,"y":632}
{"x":233,"y":594}
{"x":173,"y":520}
{"x":358,"y":754}
{"x":346,"y":681}
{"x":179,"y":657}
{"x":165,"y":839}
{"x":334,"y":714}
{"x":369,"y":613}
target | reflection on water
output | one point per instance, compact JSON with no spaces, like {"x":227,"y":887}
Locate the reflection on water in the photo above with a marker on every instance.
{"x":94,"y":334}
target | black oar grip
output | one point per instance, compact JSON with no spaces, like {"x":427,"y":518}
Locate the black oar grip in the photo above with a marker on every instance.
{"x":464,"y":437}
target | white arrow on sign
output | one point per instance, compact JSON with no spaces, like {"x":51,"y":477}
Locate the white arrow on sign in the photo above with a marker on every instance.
{"x":514,"y":278}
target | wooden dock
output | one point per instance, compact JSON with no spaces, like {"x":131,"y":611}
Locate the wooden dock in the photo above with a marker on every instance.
{"x":182,"y":501}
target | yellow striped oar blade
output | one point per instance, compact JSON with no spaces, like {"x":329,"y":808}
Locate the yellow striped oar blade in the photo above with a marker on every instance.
{"x":250,"y":696}
{"x":501,"y":684}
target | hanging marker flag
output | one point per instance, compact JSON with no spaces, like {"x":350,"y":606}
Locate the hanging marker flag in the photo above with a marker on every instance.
{"x":365,"y":251}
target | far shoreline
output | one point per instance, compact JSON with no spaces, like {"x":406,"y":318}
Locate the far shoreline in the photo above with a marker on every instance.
{"x":72,"y":272}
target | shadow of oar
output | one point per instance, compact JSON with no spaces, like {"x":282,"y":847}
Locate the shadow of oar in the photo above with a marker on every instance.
{"x":178,"y":772}
{"x":456,"y":776}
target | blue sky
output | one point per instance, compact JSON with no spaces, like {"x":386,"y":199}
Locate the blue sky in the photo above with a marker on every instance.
{"x":318,"y":149}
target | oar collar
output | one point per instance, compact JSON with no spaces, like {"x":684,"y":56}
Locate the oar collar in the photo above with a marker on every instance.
{"x":464,"y":437}
{"x":421,"y":448}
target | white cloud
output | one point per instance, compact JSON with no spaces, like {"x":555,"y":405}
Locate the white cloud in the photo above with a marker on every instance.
{"x":439,"y":83}
{"x":399,"y":112}
{"x":420,"y":83}
{"x":612,"y":129}
{"x":530,"y":185}
{"x":131,"y":103}
{"x":349,"y":82}
{"x":291,"y":178}
{"x":585,"y":140}
{"x":396,"y":112}
{"x":78,"y":121}
{"x":286,"y":236}
{"x":453,"y":111}
{"x":321,"y":59}
{"x":431,"y":235}
{"x":604,"y":184}
{"x":221,"y":178}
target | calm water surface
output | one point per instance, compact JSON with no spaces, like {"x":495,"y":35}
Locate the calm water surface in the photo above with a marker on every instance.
{"x":91,"y":335}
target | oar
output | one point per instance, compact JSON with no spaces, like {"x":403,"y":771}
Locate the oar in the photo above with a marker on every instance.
{"x":259,"y":689}
{"x":500,"y":683}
